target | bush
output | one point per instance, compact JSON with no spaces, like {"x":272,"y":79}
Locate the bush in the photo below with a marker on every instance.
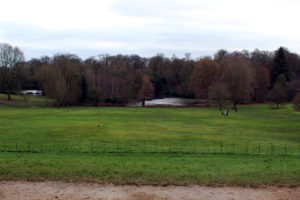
{"x":296,"y":102}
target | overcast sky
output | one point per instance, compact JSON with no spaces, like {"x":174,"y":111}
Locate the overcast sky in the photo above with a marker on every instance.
{"x":147,"y":27}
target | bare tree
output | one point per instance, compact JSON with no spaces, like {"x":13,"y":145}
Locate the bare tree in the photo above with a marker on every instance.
{"x":61,"y":80}
{"x":237,"y":77}
{"x":9,"y":58}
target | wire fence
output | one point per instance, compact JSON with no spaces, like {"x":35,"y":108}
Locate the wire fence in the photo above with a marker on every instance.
{"x":170,"y":147}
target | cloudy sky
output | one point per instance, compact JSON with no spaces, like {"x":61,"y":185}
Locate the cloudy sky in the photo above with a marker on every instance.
{"x":147,"y":27}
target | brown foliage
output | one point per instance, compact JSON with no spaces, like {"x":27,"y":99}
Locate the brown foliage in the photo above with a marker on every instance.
{"x":205,"y":73}
{"x":147,"y":90}
{"x":119,"y":79}
{"x":262,"y":83}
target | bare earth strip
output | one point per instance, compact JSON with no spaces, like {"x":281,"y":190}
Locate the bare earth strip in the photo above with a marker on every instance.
{"x":16,"y":190}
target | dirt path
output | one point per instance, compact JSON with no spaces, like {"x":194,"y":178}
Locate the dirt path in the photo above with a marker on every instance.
{"x":11,"y":190}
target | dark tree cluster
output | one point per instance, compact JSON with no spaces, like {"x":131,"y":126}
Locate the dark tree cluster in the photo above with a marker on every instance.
{"x":236,"y":77}
{"x":247,"y":77}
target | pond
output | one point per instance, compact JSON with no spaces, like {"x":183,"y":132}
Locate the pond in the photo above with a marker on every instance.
{"x":169,"y":102}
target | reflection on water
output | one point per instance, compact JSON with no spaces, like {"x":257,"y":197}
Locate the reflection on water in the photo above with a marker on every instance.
{"x":169,"y":102}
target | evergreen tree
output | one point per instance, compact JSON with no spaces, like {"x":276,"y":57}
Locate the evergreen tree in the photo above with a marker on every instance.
{"x":280,"y":66}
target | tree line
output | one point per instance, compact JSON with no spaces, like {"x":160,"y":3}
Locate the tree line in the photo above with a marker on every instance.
{"x":236,"y":77}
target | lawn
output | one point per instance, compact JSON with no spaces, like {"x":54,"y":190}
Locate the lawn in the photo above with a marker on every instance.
{"x":34,"y":122}
{"x":213,"y":170}
{"x":255,"y":123}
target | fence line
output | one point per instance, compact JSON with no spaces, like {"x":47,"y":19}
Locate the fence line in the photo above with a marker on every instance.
{"x":147,"y":146}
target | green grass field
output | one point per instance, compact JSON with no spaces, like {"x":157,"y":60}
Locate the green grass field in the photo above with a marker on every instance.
{"x":33,"y":122}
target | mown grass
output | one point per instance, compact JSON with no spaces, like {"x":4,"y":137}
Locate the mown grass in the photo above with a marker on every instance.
{"x":213,"y":170}
{"x":252,"y":123}
{"x":255,"y":123}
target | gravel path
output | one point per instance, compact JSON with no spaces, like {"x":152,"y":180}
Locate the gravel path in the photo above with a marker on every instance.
{"x":16,"y":190}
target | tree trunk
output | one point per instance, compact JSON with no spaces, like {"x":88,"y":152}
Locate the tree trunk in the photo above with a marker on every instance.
{"x":277,"y":106}
{"x":143,"y":102}
{"x":220,"y":106}
{"x":8,"y":96}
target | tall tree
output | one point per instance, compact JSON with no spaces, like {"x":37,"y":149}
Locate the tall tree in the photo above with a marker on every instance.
{"x":280,"y":66}
{"x":205,"y":73}
{"x":10,"y":57}
{"x":146,"y":91}
{"x":61,"y":80}
{"x":157,"y":66}
{"x":237,"y":77}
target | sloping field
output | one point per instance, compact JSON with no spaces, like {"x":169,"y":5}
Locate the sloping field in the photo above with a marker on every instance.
{"x":272,"y":161}
{"x":255,"y":123}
